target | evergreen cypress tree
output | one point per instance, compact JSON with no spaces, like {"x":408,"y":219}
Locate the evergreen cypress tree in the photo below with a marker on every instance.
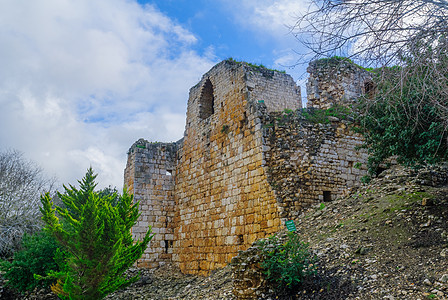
{"x":97,"y":236}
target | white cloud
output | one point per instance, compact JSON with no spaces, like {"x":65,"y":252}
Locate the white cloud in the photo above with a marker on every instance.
{"x":272,"y":21}
{"x":267,"y":17}
{"x":82,"y":80}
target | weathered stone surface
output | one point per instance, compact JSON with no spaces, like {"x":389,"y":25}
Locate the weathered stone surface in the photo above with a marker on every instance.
{"x":336,"y":81}
{"x":238,"y":173}
{"x":149,"y":175}
{"x":248,"y":279}
{"x":309,"y":163}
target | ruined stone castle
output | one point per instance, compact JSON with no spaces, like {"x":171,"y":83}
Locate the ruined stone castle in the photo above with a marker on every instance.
{"x":249,"y":160}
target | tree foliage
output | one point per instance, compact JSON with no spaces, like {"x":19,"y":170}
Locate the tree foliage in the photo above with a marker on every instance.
{"x":21,"y":184}
{"x":37,"y":256}
{"x":405,"y":123}
{"x":97,"y":236}
{"x":407,"y":43}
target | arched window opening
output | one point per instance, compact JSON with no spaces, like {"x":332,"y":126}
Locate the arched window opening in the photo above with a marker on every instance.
{"x":206,"y":100}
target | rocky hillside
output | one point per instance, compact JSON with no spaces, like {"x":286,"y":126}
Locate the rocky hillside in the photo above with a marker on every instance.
{"x":387,"y":240}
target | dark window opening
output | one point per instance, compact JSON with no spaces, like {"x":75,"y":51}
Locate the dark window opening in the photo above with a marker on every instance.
{"x":379,"y":170}
{"x":243,"y":121}
{"x":327,"y":196}
{"x":369,"y":89}
{"x":206,"y":100}
{"x":240,"y":239}
{"x":168,"y":244}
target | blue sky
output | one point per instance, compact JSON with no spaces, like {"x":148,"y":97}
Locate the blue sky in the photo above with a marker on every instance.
{"x":219,"y":27}
{"x":82,"y":80}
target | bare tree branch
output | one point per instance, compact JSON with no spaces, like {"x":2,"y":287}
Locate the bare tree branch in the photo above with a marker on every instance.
{"x":21,"y":184}
{"x":373,"y":32}
{"x":410,"y":35}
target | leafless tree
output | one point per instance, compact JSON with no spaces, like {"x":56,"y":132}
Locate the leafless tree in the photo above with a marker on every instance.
{"x":410,"y":34}
{"x":21,"y":184}
{"x":372,"y":31}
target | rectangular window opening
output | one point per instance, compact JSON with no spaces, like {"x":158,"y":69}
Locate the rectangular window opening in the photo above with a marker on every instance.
{"x":327,"y":196}
{"x":169,"y":172}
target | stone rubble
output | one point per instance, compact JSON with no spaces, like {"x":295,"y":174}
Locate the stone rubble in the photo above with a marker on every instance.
{"x":370,"y":246}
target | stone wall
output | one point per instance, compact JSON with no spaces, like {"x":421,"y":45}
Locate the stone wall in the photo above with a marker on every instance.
{"x":248,"y":161}
{"x":150,"y":174}
{"x":277,"y":90}
{"x":336,"y":80}
{"x":311,"y":162}
{"x":223,"y":199}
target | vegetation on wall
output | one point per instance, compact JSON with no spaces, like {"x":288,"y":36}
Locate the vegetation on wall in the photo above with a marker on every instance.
{"x":322,"y":115}
{"x":255,"y":66}
{"x":338,"y":61}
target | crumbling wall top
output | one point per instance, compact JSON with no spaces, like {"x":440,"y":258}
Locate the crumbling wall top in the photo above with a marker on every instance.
{"x":248,"y":83}
{"x":336,"y":80}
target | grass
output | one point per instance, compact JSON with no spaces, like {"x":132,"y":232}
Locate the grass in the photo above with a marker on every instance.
{"x":336,"y":60}
{"x":255,"y":66}
{"x":322,"y":115}
{"x":373,"y":214}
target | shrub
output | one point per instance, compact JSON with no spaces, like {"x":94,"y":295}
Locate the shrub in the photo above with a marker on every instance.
{"x":97,"y":236}
{"x":286,"y":263}
{"x":407,"y":119}
{"x":36,"y":257}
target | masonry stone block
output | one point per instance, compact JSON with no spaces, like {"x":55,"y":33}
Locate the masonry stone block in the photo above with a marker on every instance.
{"x":239,"y":173}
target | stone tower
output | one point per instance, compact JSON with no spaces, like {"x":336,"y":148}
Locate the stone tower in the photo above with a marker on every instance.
{"x":249,"y":160}
{"x":207,"y":196}
{"x":149,"y":175}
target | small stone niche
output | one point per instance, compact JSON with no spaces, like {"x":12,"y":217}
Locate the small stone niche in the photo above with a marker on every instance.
{"x":327,"y":196}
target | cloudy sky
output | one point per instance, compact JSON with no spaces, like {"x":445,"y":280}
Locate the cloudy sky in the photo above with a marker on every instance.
{"x":81,"y":80}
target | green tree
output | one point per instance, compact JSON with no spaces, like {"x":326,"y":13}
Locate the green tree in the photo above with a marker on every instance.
{"x":110,"y":191}
{"x":404,"y":120}
{"x":97,"y":236}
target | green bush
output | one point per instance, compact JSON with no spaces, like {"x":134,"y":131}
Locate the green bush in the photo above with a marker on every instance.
{"x":97,"y":236}
{"x":36,"y":257}
{"x":286,"y":262}
{"x":407,"y":118}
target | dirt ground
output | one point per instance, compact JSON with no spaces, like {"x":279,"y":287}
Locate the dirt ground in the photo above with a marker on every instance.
{"x":387,"y":240}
